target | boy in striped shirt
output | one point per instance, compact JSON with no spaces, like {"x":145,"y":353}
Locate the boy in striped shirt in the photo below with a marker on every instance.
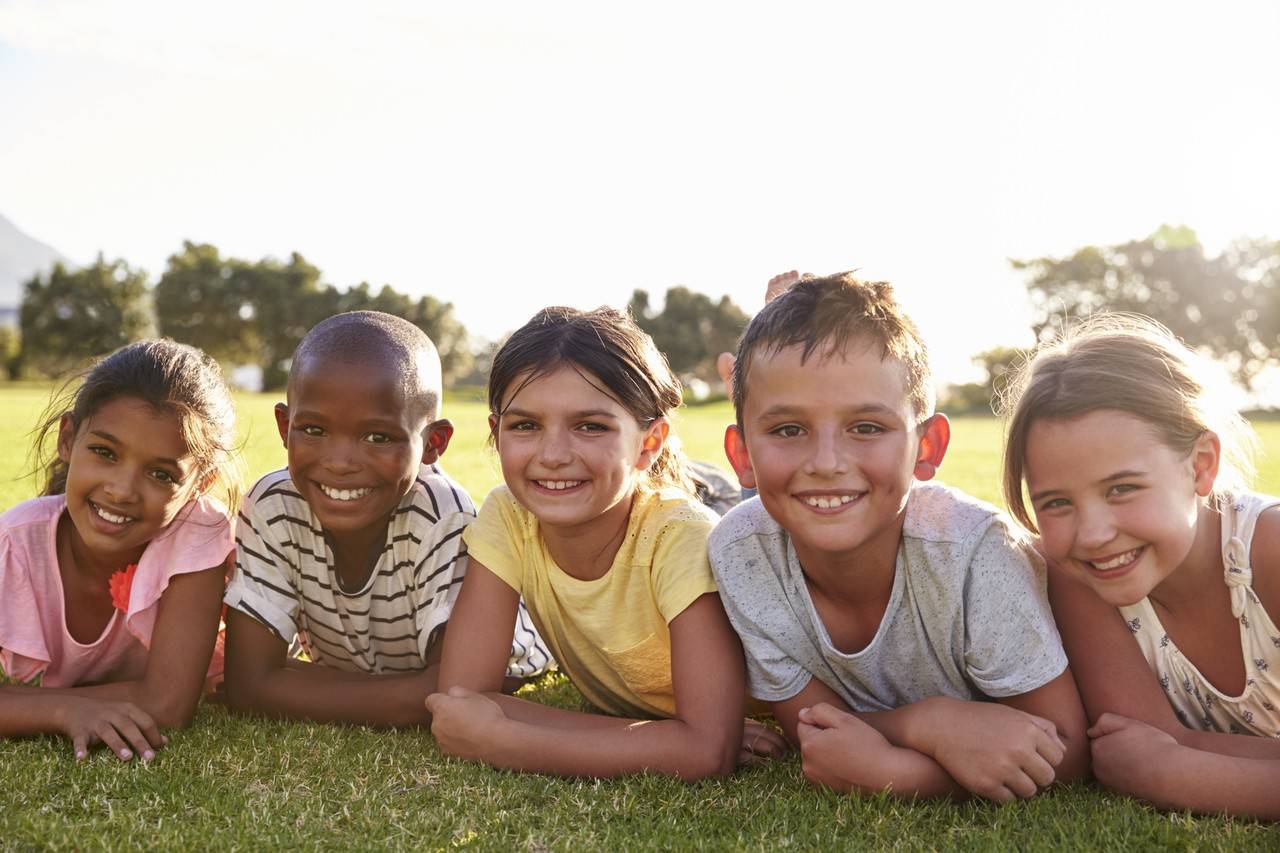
{"x":355,"y":549}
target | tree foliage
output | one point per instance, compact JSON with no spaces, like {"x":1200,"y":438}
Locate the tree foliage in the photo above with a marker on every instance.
{"x":68,"y":317}
{"x":434,"y":317}
{"x":204,"y":300}
{"x":997,"y":365}
{"x":1225,"y":305}
{"x":692,"y":329}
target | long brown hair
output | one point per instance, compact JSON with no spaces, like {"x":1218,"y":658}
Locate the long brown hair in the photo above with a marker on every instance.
{"x":608,"y":345}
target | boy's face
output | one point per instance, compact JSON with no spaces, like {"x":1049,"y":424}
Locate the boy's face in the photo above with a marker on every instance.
{"x":355,"y":442}
{"x":832,"y":447}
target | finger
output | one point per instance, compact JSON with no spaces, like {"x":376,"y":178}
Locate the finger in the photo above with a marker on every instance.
{"x":805,"y":732}
{"x":108,"y":735}
{"x":150,"y":730}
{"x":136,"y":739}
{"x":435,"y":702}
{"x":459,"y":692}
{"x":825,"y":716}
{"x":765,"y":740}
{"x":1050,"y":729}
{"x":747,"y":758}
{"x":1107,"y":724}
{"x":1040,"y":771}
{"x":1050,"y":748}
{"x":999,"y":794}
{"x":80,"y":743}
{"x":1021,"y":785}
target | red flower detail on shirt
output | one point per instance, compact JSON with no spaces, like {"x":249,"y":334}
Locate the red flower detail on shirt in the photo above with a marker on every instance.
{"x":120,"y":584}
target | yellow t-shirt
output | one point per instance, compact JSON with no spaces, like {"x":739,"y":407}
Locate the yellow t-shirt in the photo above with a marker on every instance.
{"x":609,"y":635}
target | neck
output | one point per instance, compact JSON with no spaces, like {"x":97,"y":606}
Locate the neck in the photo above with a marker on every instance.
{"x":859,"y":577}
{"x":586,"y":551}
{"x":1200,"y":570}
{"x":84,"y":562}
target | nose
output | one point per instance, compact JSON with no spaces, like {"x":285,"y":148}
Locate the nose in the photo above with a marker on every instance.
{"x":827,"y":456}
{"x":341,"y":456}
{"x":122,"y":486}
{"x":1095,"y":526}
{"x":555,"y":450}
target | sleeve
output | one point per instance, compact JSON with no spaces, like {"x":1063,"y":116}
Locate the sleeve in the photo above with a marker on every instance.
{"x":261,"y":585}
{"x":198,"y":539}
{"x":681,"y":571}
{"x":440,"y":573}
{"x":496,"y":538}
{"x":772,"y":674}
{"x":1011,"y":642}
{"x":23,"y":654}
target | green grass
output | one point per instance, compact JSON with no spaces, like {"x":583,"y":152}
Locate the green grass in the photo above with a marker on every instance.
{"x":232,"y":782}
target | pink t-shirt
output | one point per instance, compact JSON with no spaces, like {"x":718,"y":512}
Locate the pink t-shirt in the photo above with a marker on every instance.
{"x":33,"y":628}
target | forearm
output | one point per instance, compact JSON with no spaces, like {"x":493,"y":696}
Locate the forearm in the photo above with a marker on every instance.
{"x":168,"y":709}
{"x":1221,"y":743}
{"x":30,"y":711}
{"x":524,"y":711}
{"x":315,"y":693}
{"x":904,"y":773}
{"x":670,"y":747}
{"x":1208,"y":783}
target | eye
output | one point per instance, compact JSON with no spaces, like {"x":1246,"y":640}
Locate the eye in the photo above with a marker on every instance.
{"x":1052,"y":504}
{"x":313,"y":431}
{"x":866,"y":428}
{"x":378,"y":438}
{"x":592,"y":427}
{"x":165,"y":477}
{"x":1121,"y":489}
{"x":520,"y":426}
{"x":787,"y":431}
{"x":104,"y":452}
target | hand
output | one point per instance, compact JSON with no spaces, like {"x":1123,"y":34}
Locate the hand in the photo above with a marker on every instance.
{"x":781,"y":283}
{"x":118,"y":725}
{"x":760,"y":742}
{"x":836,"y":748}
{"x":993,"y":750}
{"x":1124,"y":755}
{"x":463,"y":722}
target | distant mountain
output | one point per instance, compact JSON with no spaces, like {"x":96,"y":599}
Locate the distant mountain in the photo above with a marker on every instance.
{"x":20,"y":257}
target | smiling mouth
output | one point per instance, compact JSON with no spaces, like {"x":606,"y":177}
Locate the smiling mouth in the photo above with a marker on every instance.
{"x":559,"y":485}
{"x":1119,"y":561}
{"x":828,"y":501}
{"x":110,"y":516}
{"x":344,"y":494}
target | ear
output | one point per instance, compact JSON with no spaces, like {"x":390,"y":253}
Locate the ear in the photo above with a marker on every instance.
{"x":736,"y":449}
{"x":1206,"y":457}
{"x":935,"y":435}
{"x":652,"y":442}
{"x":282,"y":423}
{"x":438,"y":435}
{"x":66,"y":436}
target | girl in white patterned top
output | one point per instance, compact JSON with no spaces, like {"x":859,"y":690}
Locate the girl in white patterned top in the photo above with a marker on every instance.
{"x":1136,"y":481}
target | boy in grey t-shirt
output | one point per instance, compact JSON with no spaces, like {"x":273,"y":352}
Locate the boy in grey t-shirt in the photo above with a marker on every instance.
{"x":877,"y":615}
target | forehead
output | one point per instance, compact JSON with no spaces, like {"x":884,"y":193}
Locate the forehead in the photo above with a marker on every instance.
{"x":857,"y":375}
{"x":133,"y":423}
{"x":565,"y":386}
{"x":1091,"y":447}
{"x":338,"y":388}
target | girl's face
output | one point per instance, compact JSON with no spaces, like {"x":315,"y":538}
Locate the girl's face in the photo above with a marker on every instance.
{"x":570,"y":453}
{"x":1116,"y":506}
{"x":129,"y":472}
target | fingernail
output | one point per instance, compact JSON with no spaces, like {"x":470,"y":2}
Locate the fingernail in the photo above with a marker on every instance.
{"x":124,"y":753}
{"x":80,"y":754}
{"x":164,"y":739}
{"x":148,"y":755}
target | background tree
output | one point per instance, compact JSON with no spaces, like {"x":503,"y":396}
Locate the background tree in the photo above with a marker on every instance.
{"x":981,"y":397}
{"x":692,"y":329}
{"x":10,"y":346}
{"x":68,"y":318}
{"x":206,"y":301}
{"x":287,"y":299}
{"x":1225,"y":305}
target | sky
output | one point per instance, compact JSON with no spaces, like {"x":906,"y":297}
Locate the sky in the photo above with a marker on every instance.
{"x":508,"y":156}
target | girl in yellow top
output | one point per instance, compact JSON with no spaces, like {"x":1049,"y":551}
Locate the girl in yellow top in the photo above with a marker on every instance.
{"x":597,"y":527}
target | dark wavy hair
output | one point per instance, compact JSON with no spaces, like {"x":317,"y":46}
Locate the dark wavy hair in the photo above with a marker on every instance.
{"x":608,"y":345}
{"x":169,"y":377}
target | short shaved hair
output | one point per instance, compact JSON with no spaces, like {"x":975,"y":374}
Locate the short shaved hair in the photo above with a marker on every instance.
{"x":375,"y":338}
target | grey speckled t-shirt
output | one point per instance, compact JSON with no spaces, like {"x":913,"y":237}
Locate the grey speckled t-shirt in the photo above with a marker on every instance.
{"x":968,"y":616}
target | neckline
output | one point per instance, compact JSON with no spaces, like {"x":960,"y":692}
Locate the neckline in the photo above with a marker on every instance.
{"x":795,"y":575}
{"x":62,"y":592}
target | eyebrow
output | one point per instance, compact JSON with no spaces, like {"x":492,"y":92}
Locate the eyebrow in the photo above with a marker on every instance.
{"x":864,"y":409}
{"x":586,"y":413}
{"x":163,"y":460}
{"x":1119,"y":475}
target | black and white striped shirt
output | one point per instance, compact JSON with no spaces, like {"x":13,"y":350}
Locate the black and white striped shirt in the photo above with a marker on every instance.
{"x":285,"y":578}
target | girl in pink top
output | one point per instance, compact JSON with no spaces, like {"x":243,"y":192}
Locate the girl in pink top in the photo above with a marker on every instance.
{"x":111,"y":582}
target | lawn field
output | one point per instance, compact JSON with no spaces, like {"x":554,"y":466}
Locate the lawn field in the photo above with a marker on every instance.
{"x":229,"y":782}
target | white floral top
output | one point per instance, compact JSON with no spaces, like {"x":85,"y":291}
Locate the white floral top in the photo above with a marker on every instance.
{"x":1197,"y":703}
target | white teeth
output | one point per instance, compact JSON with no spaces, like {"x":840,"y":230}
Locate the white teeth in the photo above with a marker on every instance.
{"x":344,"y":494}
{"x":828,"y":502}
{"x":557,"y":485}
{"x":1117,"y":561}
{"x":111,"y":517}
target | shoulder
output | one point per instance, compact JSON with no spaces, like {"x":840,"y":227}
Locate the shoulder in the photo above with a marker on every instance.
{"x":274,"y":490}
{"x":435,"y":488}
{"x":37,"y":512}
{"x":747,"y":520}
{"x":939,"y":513}
{"x":673,"y":507}
{"x":1264,"y":555}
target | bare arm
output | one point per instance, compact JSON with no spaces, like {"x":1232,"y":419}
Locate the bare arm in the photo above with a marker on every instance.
{"x":1114,"y":677}
{"x":1145,"y":762}
{"x":703,"y":739}
{"x":260,"y":679}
